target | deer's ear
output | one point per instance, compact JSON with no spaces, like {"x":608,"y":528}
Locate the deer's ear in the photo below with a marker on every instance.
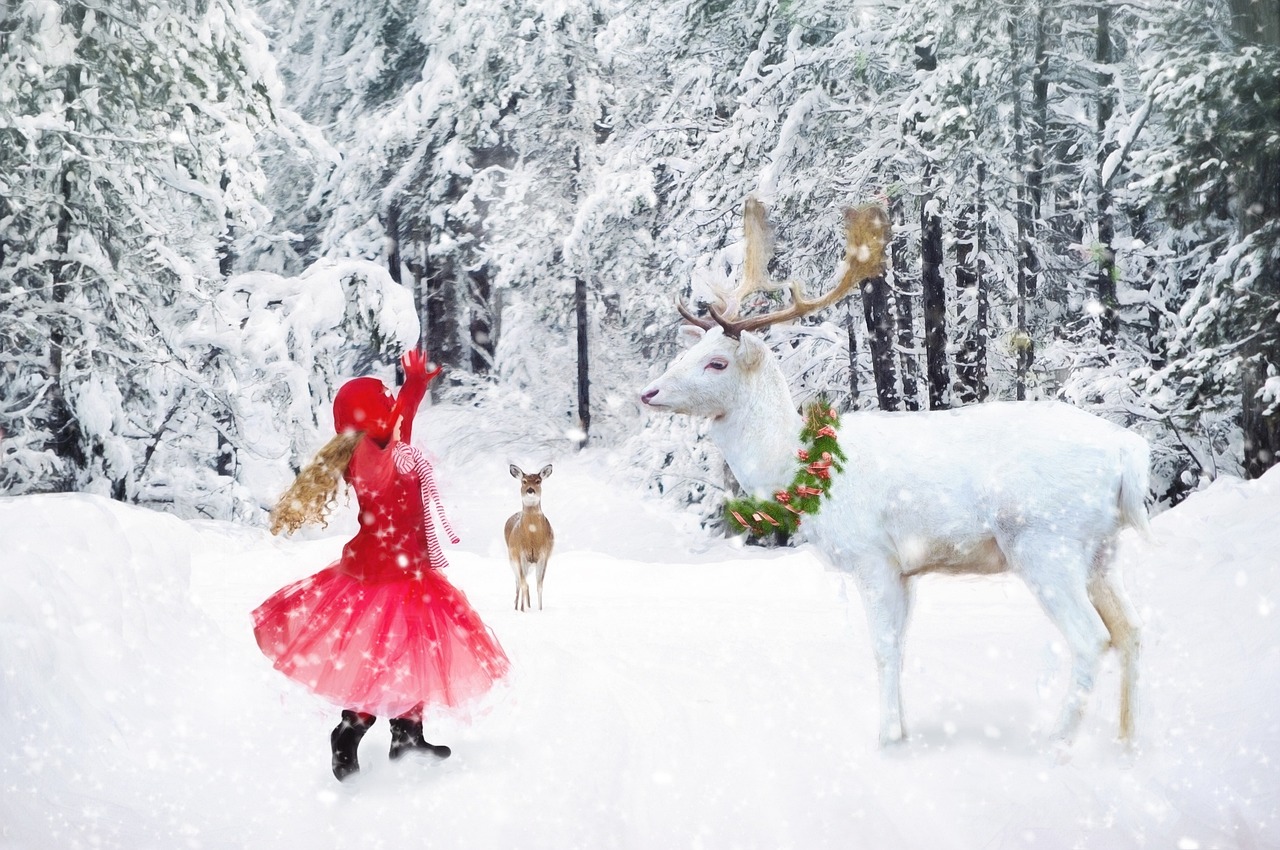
{"x":515,"y":471}
{"x":751,"y":350}
{"x":546,"y":471}
{"x":690,"y":334}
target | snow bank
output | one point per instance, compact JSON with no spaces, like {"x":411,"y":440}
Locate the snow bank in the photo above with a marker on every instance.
{"x":678,"y":691}
{"x":122,"y":716}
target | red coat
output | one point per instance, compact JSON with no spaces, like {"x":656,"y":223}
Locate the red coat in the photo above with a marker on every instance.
{"x":395,"y":491}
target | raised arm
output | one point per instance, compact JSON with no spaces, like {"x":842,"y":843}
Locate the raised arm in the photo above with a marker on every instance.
{"x":416,"y":379}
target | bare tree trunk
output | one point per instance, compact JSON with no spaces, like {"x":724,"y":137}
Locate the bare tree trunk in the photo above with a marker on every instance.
{"x":481,"y":321}
{"x":225,"y":461}
{"x":1024,"y":210}
{"x":934,"y":298}
{"x":393,"y":241}
{"x":901,"y":307}
{"x":1256,"y":21}
{"x":971,"y":366}
{"x":441,"y":328}
{"x":1261,"y":427}
{"x":66,"y":433}
{"x":1104,"y":280}
{"x":226,"y":243}
{"x":875,"y":307}
{"x":584,"y":372}
{"x":850,"y":324}
{"x":418,"y":269}
{"x":1259,"y":23}
{"x":1038,"y":134}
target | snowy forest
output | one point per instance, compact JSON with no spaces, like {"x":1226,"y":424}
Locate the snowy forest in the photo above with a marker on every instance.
{"x":213,"y":211}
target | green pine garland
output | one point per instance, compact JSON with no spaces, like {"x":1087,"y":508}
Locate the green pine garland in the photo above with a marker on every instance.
{"x":820,"y":459}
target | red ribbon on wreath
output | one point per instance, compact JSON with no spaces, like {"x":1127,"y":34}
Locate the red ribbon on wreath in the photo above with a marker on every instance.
{"x":822,"y":468}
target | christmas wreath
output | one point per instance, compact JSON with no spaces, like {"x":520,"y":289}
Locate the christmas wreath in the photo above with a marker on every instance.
{"x":819,"y":457}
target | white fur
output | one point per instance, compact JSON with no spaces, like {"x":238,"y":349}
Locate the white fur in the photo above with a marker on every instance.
{"x":1038,"y":488}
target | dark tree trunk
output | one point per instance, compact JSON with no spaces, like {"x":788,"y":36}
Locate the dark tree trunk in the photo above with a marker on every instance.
{"x":1024,"y":207}
{"x":1258,"y":23}
{"x":850,"y":323}
{"x":1261,"y":428}
{"x":226,"y":244}
{"x":481,"y":322}
{"x":971,"y":366}
{"x":441,"y":330}
{"x":418,"y":268}
{"x":1038,"y":134}
{"x":875,"y":307}
{"x":584,"y":373}
{"x":901,"y":310}
{"x":393,"y":242}
{"x":1104,"y":280}
{"x":67,"y":437}
{"x":224,"y":461}
{"x":934,"y":298}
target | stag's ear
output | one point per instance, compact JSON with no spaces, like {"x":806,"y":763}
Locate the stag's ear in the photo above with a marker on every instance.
{"x":690,"y":334}
{"x":751,"y":350}
{"x":515,"y":471}
{"x":546,"y":471}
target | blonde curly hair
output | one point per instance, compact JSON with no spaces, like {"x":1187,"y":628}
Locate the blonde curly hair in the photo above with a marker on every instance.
{"x":314,"y":491}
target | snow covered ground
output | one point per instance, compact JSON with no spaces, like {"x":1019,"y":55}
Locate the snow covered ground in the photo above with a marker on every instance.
{"x":676,"y":692}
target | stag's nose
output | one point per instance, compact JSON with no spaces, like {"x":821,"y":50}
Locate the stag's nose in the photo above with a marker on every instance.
{"x":647,"y":398}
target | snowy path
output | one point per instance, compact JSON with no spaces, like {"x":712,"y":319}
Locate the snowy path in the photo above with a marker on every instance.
{"x":676,"y":692}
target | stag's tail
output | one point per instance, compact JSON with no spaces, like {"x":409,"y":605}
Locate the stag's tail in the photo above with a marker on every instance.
{"x":1134,"y":475}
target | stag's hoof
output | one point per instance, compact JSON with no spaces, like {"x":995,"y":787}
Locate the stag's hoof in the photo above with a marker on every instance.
{"x":892,"y":735}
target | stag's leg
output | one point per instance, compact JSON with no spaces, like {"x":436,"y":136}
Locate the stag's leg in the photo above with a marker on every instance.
{"x":887,"y":599}
{"x":1057,"y":571}
{"x":542,"y":572}
{"x":1106,"y":592}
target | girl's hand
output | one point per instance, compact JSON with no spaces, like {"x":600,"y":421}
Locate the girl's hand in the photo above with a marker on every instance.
{"x":415,"y":363}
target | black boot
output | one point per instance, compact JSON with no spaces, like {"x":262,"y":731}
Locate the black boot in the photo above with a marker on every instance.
{"x":345,"y":740}
{"x":406,"y":737}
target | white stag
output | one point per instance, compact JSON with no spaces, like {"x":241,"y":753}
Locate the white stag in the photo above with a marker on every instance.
{"x":1040,"y":489}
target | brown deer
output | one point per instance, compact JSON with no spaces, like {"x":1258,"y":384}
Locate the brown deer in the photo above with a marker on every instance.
{"x":529,"y":535}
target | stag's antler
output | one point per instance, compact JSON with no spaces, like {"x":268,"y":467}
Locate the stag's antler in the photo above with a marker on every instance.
{"x":866,"y":234}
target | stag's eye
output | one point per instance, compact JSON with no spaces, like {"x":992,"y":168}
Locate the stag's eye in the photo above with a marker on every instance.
{"x":717,"y":363}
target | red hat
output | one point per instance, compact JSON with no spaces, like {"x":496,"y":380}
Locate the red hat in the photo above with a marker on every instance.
{"x":364,"y":404}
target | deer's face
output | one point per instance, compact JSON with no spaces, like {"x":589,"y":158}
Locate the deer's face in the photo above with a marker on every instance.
{"x":709,"y":378}
{"x":530,"y":485}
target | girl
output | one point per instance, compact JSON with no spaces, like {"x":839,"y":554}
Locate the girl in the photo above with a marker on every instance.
{"x":380,"y":632}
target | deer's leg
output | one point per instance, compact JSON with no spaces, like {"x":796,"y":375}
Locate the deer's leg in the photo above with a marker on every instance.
{"x":1106,"y":592}
{"x":518,"y":569}
{"x":524,"y":585}
{"x":886,"y":596}
{"x":1057,"y":570}
{"x":542,"y":572}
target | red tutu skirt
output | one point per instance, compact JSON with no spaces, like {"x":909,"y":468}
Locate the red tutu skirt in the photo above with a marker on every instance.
{"x":383,"y":648}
